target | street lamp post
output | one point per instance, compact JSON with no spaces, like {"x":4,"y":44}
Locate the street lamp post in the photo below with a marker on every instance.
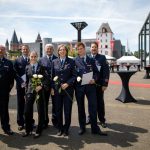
{"x":79,"y":26}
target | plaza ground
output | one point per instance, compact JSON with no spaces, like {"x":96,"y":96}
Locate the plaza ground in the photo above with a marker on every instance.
{"x":128,"y":123}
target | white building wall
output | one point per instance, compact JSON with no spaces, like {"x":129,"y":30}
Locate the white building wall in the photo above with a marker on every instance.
{"x":104,"y":40}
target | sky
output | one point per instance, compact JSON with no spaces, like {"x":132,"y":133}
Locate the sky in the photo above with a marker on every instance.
{"x":52,"y":18}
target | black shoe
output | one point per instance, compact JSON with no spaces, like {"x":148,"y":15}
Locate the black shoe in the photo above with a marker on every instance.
{"x":88,"y":122}
{"x":103,"y":124}
{"x":37,"y":135}
{"x":100,"y":133}
{"x":25,"y":134}
{"x":66,"y":133}
{"x":8,"y":132}
{"x":81,"y":131}
{"x":20,"y":128}
{"x":59,"y":133}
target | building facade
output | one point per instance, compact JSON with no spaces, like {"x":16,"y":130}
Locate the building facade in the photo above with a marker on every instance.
{"x":107,"y":45}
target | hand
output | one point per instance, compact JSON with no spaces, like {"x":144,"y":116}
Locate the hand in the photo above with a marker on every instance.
{"x":104,"y":88}
{"x":52,"y":91}
{"x":23,"y":85}
{"x":38,"y":88}
{"x":64,"y":86}
{"x":92,"y":81}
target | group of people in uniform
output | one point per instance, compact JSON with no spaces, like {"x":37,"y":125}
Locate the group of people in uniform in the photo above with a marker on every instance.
{"x":60,"y":78}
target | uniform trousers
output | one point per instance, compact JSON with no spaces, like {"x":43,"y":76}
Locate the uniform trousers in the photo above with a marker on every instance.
{"x":90,"y":92}
{"x":4,"y":114}
{"x":64,"y":103}
{"x":100,"y":104}
{"x":30,"y":99}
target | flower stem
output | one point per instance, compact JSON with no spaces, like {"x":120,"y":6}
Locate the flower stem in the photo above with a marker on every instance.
{"x":68,"y":95}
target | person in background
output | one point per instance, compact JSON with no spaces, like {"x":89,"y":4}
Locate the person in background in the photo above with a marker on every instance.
{"x":64,"y":75}
{"x":19,"y":66}
{"x":84,"y":65}
{"x":7,"y":75}
{"x":46,"y":61}
{"x":33,"y":70}
{"x":101,"y":82}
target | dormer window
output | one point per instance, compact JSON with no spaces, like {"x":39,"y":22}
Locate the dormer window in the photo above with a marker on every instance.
{"x":104,"y":30}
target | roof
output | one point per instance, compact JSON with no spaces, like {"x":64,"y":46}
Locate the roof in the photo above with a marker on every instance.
{"x":38,"y":38}
{"x":7,"y":43}
{"x":104,"y":26}
{"x":128,"y":59}
{"x":20,"y":41}
{"x":14,"y":38}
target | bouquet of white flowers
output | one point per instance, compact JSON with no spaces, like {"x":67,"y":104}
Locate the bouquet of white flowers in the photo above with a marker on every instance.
{"x":36,"y":81}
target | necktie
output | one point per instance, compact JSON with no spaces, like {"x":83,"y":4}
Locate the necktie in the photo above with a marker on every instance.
{"x":33,"y":69}
{"x":82,"y":59}
{"x":50,"y":59}
{"x":26,"y":60}
{"x":62,"y":62}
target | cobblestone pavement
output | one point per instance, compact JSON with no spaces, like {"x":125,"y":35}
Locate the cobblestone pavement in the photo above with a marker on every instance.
{"x":128,"y":124}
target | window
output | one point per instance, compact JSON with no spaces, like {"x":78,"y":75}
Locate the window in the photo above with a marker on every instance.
{"x":106,"y":46}
{"x":104,"y":30}
{"x":106,"y":52}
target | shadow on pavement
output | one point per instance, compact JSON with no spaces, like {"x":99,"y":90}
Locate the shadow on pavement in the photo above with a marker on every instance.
{"x":118,"y":135}
{"x":143,"y":102}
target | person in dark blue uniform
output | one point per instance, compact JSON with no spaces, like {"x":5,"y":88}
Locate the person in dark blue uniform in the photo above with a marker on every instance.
{"x":6,"y":84}
{"x":101,"y":82}
{"x":84,"y":65}
{"x":34,"y":71}
{"x":19,"y":66}
{"x":64,"y":75}
{"x":46,"y":61}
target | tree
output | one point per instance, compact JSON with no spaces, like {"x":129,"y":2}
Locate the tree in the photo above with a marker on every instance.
{"x":136,"y":54}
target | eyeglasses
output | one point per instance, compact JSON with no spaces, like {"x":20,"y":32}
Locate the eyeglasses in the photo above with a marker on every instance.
{"x":33,"y":56}
{"x":25,"y":49}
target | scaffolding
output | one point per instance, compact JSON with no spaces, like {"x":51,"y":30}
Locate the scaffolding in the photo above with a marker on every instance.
{"x":144,"y":42}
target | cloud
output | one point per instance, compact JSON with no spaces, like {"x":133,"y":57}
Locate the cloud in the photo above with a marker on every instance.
{"x":70,"y":18}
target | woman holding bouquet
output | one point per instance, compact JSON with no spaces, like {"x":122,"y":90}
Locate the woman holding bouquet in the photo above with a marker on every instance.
{"x":64,"y":75}
{"x":36,"y":81}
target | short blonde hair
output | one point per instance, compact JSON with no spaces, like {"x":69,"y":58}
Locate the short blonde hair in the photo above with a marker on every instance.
{"x":34,"y":53}
{"x":62,"y":45}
